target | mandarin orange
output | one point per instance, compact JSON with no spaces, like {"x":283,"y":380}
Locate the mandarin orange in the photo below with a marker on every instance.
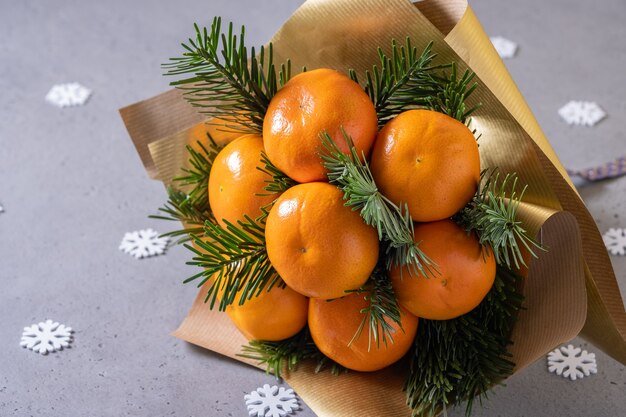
{"x":319,"y":247}
{"x":235,"y":181}
{"x":309,"y":104}
{"x":333,"y":325}
{"x":429,"y":161}
{"x":466,"y":273}
{"x":273,"y":315}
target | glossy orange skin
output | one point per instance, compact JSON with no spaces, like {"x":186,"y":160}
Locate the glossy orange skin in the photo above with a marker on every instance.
{"x":467,"y":272}
{"x":318,"y":246}
{"x":272,"y":316}
{"x":309,"y":104}
{"x":429,"y":161}
{"x":334,"y":323}
{"x":235,"y":181}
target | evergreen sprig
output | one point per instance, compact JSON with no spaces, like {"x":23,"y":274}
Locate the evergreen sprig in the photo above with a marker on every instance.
{"x":381,"y":312}
{"x":460,"y":359}
{"x":235,"y":259}
{"x":405,"y":80}
{"x":180,"y":207}
{"x":192,"y":208}
{"x":389,"y":82}
{"x":451,"y":94}
{"x":224,"y":80}
{"x":492,"y":213}
{"x":279,"y":182}
{"x":288,"y":354}
{"x":197,"y":175}
{"x":351,"y":173}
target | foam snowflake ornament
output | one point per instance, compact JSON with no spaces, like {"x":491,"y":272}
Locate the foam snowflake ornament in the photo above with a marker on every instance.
{"x":615,"y":241}
{"x":271,"y":401}
{"x":46,"y":337}
{"x":582,"y":113}
{"x":1,"y":208}
{"x":572,"y":362}
{"x":504,"y":47}
{"x":68,"y":95}
{"x":143,"y":243}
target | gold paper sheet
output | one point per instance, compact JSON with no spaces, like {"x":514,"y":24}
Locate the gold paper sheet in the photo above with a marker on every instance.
{"x":344,"y":34}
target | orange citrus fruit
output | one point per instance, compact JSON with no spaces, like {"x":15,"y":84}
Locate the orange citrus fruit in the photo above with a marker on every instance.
{"x":235,"y":181}
{"x":217,"y":130}
{"x":333,"y":325}
{"x":427,"y":160}
{"x":319,"y":247}
{"x":466,"y":273}
{"x":309,"y":104}
{"x":273,"y":315}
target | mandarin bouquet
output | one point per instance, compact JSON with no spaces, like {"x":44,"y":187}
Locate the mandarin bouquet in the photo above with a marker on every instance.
{"x":370,"y":209}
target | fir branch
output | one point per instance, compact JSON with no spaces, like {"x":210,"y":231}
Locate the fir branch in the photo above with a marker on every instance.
{"x":394,"y":224}
{"x":288,"y":354}
{"x":492,"y":213}
{"x":460,"y":359}
{"x":197,"y":176}
{"x":405,"y":80}
{"x":451,"y":94}
{"x":381,"y":311}
{"x":279,"y":182}
{"x":235,"y":260}
{"x":225,"y":81}
{"x":400,"y":80}
{"x":181,"y":208}
{"x":191,"y":208}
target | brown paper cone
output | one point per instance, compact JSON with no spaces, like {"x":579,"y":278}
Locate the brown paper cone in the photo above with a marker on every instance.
{"x":569,"y":286}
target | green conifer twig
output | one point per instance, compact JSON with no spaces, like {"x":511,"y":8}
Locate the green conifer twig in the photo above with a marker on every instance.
{"x":235,"y":259}
{"x":191,"y":208}
{"x":492,"y":213}
{"x":394,"y":225}
{"x":405,"y":80}
{"x":381,"y":312}
{"x":226,"y":82}
{"x":288,"y":354}
{"x":460,"y":359}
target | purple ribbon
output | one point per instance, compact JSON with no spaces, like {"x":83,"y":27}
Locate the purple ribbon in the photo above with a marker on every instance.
{"x":611,"y":169}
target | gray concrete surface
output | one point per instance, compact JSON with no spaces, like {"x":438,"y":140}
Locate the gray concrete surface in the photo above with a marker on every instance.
{"x":72,"y":184}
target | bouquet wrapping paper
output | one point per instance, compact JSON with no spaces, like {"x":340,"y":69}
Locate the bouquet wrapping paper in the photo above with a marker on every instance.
{"x":571,"y":289}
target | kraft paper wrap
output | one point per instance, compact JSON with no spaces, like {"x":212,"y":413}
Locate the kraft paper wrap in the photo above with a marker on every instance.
{"x":570,"y":289}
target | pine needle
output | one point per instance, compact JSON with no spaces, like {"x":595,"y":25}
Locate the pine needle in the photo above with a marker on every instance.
{"x":279,"y":182}
{"x":191,"y":208}
{"x":394,"y":225}
{"x":405,"y":80}
{"x":381,"y":312}
{"x":460,"y":359}
{"x":288,"y":354}
{"x":235,"y":260}
{"x":224,"y":80}
{"x":492,"y":213}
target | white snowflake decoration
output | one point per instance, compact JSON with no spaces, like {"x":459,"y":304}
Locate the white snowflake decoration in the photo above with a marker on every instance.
{"x":143,"y":243}
{"x":271,"y":401}
{"x":572,"y":362}
{"x":615,"y":241}
{"x":1,"y":208}
{"x":67,"y":95}
{"x":582,"y":113}
{"x":46,"y":337}
{"x":504,"y":47}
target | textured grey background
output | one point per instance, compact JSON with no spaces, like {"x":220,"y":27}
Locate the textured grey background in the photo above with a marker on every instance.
{"x":72,"y":184}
